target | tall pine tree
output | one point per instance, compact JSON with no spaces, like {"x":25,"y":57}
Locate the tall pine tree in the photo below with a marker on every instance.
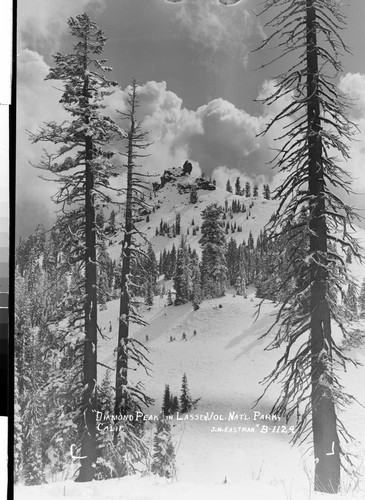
{"x":83,"y":167}
{"x":315,"y":126}
{"x":128,"y":398}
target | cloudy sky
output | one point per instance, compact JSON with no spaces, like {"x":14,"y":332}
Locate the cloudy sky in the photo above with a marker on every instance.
{"x":195,"y":63}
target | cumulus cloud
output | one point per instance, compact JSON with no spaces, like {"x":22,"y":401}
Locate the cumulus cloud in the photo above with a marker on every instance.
{"x":228,"y":138}
{"x":217,"y":134}
{"x":42,"y":24}
{"x":37,"y":102}
{"x":214,"y":26}
{"x":353,"y":85}
{"x":169,"y":125}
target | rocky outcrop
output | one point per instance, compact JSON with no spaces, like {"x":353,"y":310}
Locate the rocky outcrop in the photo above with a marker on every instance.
{"x":199,"y":183}
{"x":203,"y":183}
{"x":187,"y":167}
{"x":184,"y":186}
{"x":170,"y":175}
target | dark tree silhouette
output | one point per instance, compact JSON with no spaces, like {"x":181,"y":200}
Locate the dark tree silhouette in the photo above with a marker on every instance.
{"x":314,"y":126}
{"x":127,"y":397}
{"x":83,"y":167}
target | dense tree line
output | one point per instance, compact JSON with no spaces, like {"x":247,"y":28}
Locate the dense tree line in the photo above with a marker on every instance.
{"x":246,"y":191}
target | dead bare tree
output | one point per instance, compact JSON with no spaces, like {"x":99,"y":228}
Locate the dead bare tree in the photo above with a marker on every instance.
{"x":315,"y":129}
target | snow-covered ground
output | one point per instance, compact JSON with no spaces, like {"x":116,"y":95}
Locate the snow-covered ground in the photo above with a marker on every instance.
{"x":169,"y":201}
{"x":224,"y":363}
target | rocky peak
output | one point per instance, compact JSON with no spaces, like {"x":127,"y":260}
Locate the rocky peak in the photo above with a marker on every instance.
{"x":185,"y":182}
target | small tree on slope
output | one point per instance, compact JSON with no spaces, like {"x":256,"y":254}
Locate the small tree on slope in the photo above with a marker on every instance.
{"x":182,"y":276}
{"x":351,"y":303}
{"x":105,"y":468}
{"x":196,"y":283}
{"x":315,"y":129}
{"x":166,"y":401}
{"x":362,"y":300}
{"x":163,"y":461}
{"x":193,"y":195}
{"x":187,"y":403}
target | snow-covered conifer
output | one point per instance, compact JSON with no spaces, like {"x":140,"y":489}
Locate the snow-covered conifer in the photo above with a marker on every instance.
{"x":351,"y":303}
{"x":193,"y":195}
{"x":361,"y":301}
{"x":83,"y":165}
{"x":349,"y":256}
{"x":197,"y":292}
{"x":149,"y":293}
{"x":163,"y":460}
{"x":213,"y":243}
{"x":104,"y":288}
{"x":182,"y":276}
{"x":177,"y":223}
{"x":174,"y":404}
{"x":166,"y":403}
{"x":266,"y":192}
{"x":187,"y":403}
{"x":18,"y":429}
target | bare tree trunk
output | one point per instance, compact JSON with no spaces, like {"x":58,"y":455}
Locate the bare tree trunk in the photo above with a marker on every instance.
{"x":325,"y":437}
{"x":88,"y":440}
{"x":123,"y":332}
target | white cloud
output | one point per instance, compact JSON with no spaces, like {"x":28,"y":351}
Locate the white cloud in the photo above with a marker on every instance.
{"x":42,"y":26}
{"x":169,"y":125}
{"x":353,"y":84}
{"x":37,"y":102}
{"x":43,"y":23}
{"x":165,"y":116}
{"x":214,"y":26}
{"x":216,"y":134}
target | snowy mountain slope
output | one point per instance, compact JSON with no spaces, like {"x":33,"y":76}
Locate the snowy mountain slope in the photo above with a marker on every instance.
{"x":170,"y":200}
{"x":224,"y":363}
